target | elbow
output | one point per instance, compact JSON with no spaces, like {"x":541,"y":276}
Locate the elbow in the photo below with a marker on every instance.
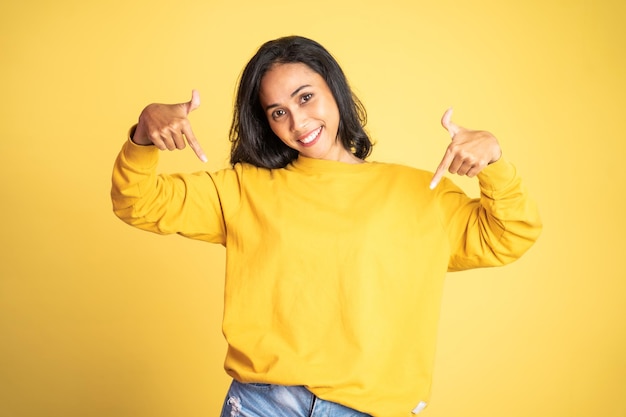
{"x":126,"y":210}
{"x":516,"y":241}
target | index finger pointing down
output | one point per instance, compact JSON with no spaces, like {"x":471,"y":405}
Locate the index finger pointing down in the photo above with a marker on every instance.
{"x":194,"y":144}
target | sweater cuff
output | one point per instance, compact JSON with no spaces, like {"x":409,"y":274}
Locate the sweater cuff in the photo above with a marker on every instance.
{"x":497,"y":175}
{"x":145,"y":156}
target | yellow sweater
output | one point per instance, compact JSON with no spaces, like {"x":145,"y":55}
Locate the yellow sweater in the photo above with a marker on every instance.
{"x":334,"y":271}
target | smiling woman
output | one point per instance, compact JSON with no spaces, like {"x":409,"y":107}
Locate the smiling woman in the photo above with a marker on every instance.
{"x":311,"y":66}
{"x":335,"y":267}
{"x":302,"y":112}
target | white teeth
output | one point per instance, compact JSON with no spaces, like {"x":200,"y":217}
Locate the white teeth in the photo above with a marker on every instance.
{"x":312,"y":136}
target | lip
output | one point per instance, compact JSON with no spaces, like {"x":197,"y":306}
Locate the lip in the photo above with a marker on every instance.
{"x":316,"y":133}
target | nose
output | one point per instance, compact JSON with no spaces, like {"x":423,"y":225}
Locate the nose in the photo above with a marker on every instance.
{"x":299,"y":120}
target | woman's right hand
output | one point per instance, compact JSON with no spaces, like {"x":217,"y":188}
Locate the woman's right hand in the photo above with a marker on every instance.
{"x":166,"y":126}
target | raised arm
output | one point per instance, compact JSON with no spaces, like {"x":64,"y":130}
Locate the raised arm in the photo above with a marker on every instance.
{"x":504,"y":222}
{"x":187,"y":204}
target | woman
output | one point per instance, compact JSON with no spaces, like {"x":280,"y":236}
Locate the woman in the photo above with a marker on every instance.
{"x":335,"y":266}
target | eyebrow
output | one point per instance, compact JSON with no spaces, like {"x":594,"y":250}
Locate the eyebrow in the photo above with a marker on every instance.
{"x":296,"y":91}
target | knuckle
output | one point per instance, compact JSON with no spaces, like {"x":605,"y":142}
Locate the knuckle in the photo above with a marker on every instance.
{"x":171,"y":126}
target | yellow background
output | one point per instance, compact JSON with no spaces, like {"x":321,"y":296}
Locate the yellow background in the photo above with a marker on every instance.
{"x":98,"y":319}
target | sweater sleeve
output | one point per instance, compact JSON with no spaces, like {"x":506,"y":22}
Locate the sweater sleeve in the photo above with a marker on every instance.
{"x":187,"y":204}
{"x":495,"y":229}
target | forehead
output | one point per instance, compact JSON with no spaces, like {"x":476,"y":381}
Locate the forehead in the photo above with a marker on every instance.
{"x":281,"y":80}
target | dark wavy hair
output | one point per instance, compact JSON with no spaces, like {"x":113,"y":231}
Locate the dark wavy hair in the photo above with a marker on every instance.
{"x":254,"y":142}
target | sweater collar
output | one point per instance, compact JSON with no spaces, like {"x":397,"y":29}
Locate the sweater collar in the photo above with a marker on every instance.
{"x":312,"y":165}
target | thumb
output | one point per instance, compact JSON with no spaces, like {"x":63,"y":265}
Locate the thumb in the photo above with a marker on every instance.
{"x":448,"y":157}
{"x":194,"y":103}
{"x":448,"y":124}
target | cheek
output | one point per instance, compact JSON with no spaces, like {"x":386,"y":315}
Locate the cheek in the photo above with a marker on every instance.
{"x":280,"y":131}
{"x":276,"y":128}
{"x":331,"y":110}
{"x":332,"y":116}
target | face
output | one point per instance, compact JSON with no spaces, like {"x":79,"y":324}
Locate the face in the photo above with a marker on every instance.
{"x":302,"y":111}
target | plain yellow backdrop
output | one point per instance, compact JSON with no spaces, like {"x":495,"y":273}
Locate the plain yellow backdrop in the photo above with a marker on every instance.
{"x":98,"y":319}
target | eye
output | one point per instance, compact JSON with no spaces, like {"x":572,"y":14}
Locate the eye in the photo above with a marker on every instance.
{"x":306,"y":97}
{"x":277,"y":114}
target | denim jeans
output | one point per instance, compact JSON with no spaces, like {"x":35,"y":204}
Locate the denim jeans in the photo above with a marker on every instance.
{"x":265,"y":400}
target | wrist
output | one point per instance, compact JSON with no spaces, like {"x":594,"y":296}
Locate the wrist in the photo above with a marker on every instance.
{"x":497,"y":158}
{"x":138,"y":137}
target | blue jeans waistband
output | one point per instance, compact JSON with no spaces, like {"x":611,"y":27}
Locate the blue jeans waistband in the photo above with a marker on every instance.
{"x":266,"y":400}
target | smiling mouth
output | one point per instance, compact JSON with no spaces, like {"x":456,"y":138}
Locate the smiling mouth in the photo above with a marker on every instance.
{"x":308,"y":139}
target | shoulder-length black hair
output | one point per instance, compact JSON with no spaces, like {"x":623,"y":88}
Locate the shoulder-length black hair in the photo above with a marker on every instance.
{"x":254,"y":142}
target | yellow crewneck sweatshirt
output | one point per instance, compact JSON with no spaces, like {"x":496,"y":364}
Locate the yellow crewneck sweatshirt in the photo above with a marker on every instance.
{"x":334,"y":271}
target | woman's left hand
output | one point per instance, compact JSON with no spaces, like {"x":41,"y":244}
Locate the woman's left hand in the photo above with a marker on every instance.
{"x":468,"y":153}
